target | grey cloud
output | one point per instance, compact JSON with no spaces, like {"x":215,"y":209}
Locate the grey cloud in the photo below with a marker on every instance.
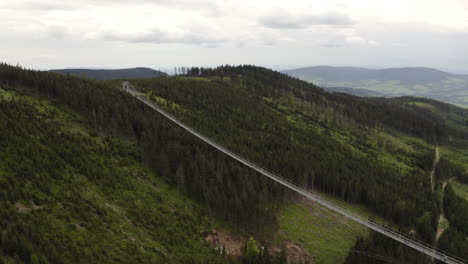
{"x":283,"y":19}
{"x":39,"y":6}
{"x":206,"y":8}
{"x":269,"y":42}
{"x":161,"y":36}
{"x":57,"y":31}
{"x":339,"y":41}
{"x":400,"y":45}
{"x":210,"y":8}
{"x":203,"y":7}
{"x":331,"y":45}
{"x":45,"y":6}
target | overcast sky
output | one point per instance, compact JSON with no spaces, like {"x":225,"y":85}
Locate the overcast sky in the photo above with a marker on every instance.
{"x":44,"y":34}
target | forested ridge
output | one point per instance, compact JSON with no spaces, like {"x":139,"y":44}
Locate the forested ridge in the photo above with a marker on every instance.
{"x":375,"y":152}
{"x":336,"y":143}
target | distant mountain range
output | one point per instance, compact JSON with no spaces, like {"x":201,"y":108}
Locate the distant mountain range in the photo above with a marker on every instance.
{"x":418,"y":81}
{"x":132,"y":73}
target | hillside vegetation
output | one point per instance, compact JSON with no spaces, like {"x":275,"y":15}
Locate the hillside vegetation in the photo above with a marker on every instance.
{"x":377,"y":153}
{"x":104,"y":184}
{"x":71,"y":195}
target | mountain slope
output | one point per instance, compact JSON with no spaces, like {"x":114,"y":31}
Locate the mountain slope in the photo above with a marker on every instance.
{"x":72,"y":195}
{"x":132,"y":73}
{"x":423,"y":82}
{"x":363,"y":150}
{"x":374,"y":152}
{"x":223,"y":190}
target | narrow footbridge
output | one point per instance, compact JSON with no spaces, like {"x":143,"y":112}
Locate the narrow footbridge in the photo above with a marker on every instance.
{"x":398,"y":236}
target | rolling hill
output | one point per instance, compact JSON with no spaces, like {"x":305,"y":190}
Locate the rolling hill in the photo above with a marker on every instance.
{"x":422,"y":82}
{"x":95,"y":74}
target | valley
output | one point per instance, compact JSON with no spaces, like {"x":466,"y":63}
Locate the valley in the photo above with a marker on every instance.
{"x":392,"y":82}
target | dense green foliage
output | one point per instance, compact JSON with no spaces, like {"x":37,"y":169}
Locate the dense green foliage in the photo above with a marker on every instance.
{"x":456,"y":211}
{"x":375,"y":152}
{"x":381,"y":246}
{"x":367,"y":111}
{"x":235,"y":116}
{"x":69,"y":195}
{"x":308,"y":126}
{"x":223,"y":186}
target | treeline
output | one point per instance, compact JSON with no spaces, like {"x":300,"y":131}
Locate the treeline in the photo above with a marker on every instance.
{"x":377,"y":249}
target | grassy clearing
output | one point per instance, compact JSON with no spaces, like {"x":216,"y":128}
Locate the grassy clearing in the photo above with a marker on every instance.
{"x":355,"y":208}
{"x":164,"y":102}
{"x":326,"y":235}
{"x":460,"y":189}
{"x":457,"y":156}
{"x":5,"y":95}
{"x":424,"y":105}
{"x":443,"y":223}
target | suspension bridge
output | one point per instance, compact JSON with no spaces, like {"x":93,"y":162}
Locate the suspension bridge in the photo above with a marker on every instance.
{"x":420,"y":246}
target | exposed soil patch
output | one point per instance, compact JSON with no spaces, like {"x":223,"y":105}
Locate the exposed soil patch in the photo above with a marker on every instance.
{"x":436,"y":161}
{"x":295,"y":253}
{"x":34,"y":206}
{"x":231,"y":242}
{"x":442,"y":222}
{"x":24,"y":209}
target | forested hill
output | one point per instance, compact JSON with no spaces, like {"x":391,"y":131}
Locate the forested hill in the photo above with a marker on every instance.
{"x":406,"y":114}
{"x":376,"y":153}
{"x":112,"y":74}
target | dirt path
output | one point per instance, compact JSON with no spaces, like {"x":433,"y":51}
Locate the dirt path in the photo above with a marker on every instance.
{"x":441,"y":227}
{"x":436,"y":161}
{"x":442,"y":222}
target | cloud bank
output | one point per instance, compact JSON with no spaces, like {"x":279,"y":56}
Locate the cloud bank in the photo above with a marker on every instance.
{"x":286,"y":20}
{"x":174,"y":32}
